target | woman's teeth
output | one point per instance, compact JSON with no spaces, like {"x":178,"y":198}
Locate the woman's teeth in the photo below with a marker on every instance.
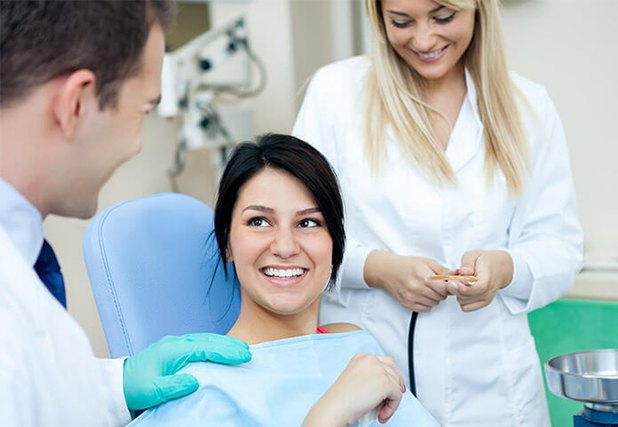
{"x":283,"y":273}
{"x":431,"y":55}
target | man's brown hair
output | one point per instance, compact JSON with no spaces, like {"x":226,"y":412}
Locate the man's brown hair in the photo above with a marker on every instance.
{"x":44,"y":39}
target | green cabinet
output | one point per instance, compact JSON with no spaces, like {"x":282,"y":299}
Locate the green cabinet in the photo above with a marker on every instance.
{"x":568,"y":326}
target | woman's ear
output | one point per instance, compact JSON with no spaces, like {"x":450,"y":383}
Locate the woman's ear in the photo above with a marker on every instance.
{"x":228,"y":254}
{"x":76,"y":93}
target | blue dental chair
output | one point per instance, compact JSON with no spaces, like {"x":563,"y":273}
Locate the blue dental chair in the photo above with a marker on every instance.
{"x":155,"y":270}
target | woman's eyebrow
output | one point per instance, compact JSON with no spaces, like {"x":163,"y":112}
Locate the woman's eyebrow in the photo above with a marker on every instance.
{"x":259,"y":208}
{"x":309,"y":211}
{"x":394,"y":12}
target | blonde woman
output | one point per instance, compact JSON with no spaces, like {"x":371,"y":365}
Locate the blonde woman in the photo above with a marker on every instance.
{"x":449,"y":164}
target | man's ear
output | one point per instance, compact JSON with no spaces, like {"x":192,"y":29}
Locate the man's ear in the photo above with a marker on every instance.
{"x":76,"y":94}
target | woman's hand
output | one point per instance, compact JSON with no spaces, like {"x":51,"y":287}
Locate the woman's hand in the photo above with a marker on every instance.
{"x":494,"y":271}
{"x":404,"y":277}
{"x":368,"y":382}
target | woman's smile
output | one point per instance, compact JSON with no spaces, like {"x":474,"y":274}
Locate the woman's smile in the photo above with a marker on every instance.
{"x":284,"y":276}
{"x":431,"y":56}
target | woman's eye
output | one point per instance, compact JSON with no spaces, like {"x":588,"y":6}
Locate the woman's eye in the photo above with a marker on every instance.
{"x":400,"y":24}
{"x":309,"y":223}
{"x":444,"y":19}
{"x":258,"y":222}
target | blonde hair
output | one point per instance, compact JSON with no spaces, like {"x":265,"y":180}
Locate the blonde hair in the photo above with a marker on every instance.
{"x":395,"y":92}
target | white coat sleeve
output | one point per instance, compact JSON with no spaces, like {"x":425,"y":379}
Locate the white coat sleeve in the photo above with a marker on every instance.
{"x":545,"y":237}
{"x":36,"y":392}
{"x":116,"y":404}
{"x":316,"y":124}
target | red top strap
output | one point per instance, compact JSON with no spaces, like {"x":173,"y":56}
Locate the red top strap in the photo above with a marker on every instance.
{"x":321,"y":330}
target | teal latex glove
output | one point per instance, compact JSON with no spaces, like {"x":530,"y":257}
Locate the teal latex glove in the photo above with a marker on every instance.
{"x":149,"y":378}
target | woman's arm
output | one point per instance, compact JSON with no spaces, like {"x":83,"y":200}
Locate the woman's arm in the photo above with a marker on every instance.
{"x":369,"y":382}
{"x":404,"y":277}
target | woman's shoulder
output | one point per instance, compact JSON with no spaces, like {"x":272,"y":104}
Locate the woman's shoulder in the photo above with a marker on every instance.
{"x":356,"y":339}
{"x":537,"y":101}
{"x":533,"y":91}
{"x":354,"y":63}
{"x":337,"y":328}
{"x":343,"y":72}
{"x":335,"y":90}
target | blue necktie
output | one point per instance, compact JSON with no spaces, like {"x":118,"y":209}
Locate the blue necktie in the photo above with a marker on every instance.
{"x":48,"y":269}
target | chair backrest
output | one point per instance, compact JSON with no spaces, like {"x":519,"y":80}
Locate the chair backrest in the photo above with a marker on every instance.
{"x":155,"y":270}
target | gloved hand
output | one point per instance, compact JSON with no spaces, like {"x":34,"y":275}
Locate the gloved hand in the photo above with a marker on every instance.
{"x":149,"y":378}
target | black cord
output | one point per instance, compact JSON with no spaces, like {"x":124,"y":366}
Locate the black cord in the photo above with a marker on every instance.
{"x":411,"y":352}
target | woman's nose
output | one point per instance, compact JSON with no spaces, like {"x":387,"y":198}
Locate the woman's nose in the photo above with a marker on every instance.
{"x":424,"y":39}
{"x":284,"y":244}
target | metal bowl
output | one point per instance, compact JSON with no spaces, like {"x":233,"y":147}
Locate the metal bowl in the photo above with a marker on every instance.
{"x":590,"y":376}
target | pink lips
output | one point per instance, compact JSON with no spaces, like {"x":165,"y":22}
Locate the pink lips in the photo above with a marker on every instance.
{"x":431,"y":56}
{"x":279,"y":281}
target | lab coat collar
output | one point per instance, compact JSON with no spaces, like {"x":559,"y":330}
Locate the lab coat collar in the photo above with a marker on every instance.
{"x":21,"y":221}
{"x":471,"y":93}
{"x":467,"y":135}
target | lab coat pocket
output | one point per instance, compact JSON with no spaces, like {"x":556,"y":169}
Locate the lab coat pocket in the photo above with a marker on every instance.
{"x":527,"y":393}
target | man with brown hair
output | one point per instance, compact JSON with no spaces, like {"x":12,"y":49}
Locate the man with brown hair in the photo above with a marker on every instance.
{"x":76,"y":79}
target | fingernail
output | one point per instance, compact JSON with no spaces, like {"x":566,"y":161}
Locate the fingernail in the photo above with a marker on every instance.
{"x":403,"y":388}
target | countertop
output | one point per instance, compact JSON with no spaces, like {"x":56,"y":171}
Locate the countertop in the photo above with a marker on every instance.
{"x":597,"y":285}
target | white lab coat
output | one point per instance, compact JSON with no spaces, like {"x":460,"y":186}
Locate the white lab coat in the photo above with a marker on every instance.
{"x":48,"y":374}
{"x":472,"y":369}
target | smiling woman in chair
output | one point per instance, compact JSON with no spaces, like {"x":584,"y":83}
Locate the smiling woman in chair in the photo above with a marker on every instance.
{"x":279,"y":220}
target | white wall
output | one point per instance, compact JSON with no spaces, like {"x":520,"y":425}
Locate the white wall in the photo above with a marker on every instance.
{"x":270,"y":32}
{"x":570,"y":46}
{"x":567,"y":45}
{"x":293,"y":38}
